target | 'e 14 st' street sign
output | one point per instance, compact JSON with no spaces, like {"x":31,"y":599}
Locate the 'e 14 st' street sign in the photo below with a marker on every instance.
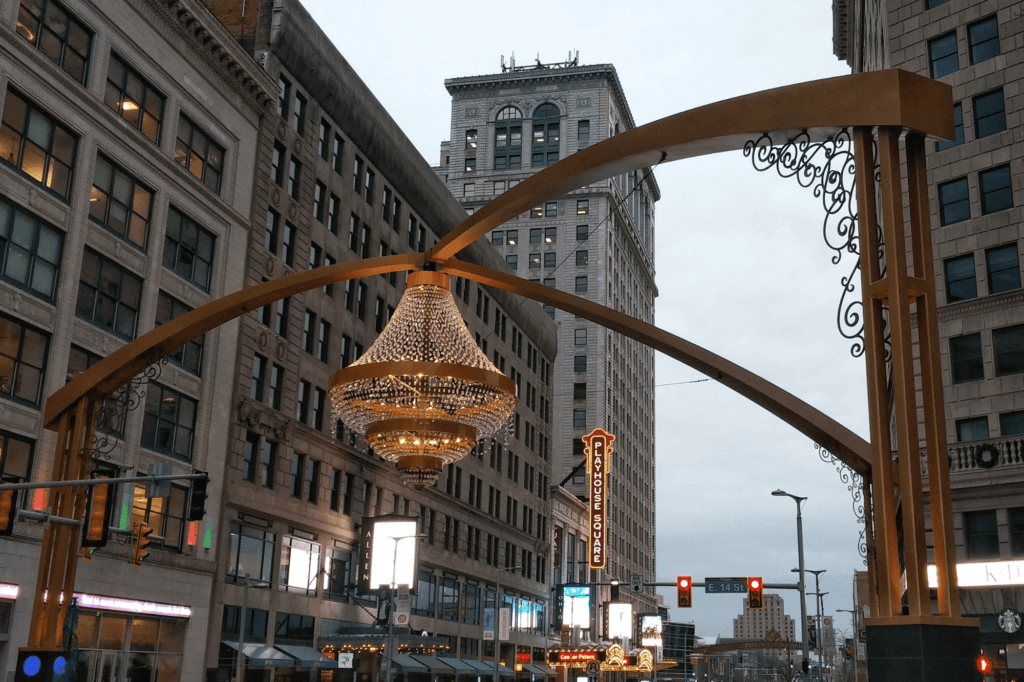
{"x":725,"y":585}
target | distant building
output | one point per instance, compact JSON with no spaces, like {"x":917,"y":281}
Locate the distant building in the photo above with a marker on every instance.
{"x":597,"y":242}
{"x":756,"y":623}
{"x":678,"y":646}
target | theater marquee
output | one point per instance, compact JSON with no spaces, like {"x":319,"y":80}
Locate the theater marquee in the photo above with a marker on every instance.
{"x":598,"y":448}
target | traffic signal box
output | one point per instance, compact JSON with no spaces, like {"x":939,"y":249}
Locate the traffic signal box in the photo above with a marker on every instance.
{"x":39,"y":665}
{"x":142,"y":541}
{"x":8,"y":510}
{"x":684,"y":592}
{"x":755,"y":593}
{"x":97,"y":515}
{"x":197,"y":501}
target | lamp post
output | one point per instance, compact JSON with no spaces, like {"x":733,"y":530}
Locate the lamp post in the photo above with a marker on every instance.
{"x":803,"y":583}
{"x":819,"y":604}
{"x":497,"y":619}
{"x":389,"y":658}
{"x":240,"y":661}
{"x":853,"y":658}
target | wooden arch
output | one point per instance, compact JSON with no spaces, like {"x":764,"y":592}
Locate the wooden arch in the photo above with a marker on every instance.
{"x":892,"y":104}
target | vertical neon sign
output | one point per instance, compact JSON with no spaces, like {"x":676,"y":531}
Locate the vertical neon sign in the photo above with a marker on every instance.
{"x":598,"y":448}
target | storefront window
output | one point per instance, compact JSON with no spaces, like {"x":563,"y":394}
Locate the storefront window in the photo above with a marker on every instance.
{"x":116,"y":646}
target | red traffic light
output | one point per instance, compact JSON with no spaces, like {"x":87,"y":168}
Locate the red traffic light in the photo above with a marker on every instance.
{"x":684,"y":592}
{"x":984,"y":664}
{"x":755,"y":596}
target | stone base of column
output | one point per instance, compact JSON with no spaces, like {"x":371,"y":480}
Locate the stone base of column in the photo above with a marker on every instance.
{"x":923,"y":652}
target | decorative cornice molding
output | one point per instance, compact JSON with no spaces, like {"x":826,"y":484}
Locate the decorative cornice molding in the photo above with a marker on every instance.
{"x":218,"y":48}
{"x":977,"y":305}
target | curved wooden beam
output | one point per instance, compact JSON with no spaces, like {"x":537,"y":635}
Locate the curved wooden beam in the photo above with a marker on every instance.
{"x":892,"y":97}
{"x":109,"y":373}
{"x":833,"y":436}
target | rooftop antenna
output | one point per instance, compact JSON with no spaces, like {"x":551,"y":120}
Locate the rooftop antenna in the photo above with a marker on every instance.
{"x":503,"y":63}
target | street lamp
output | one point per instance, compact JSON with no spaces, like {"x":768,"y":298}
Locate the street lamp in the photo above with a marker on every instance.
{"x":497,"y":618}
{"x":853,"y":612}
{"x":391,"y":599}
{"x":803,"y":583}
{"x":240,"y":661}
{"x":819,"y":605}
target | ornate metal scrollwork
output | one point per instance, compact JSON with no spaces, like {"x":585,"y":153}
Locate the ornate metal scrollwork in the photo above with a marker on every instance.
{"x":854,"y":483}
{"x":829,"y":169}
{"x":113,"y":410}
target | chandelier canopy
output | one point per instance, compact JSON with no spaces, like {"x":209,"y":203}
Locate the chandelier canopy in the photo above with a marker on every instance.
{"x":424,"y":393}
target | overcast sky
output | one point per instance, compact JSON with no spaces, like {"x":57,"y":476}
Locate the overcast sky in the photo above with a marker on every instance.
{"x":742,"y":268}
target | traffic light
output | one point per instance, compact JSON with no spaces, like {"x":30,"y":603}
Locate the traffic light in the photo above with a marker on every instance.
{"x":142,"y":541}
{"x":755,"y":593}
{"x":97,"y":515}
{"x":805,"y":666}
{"x":197,"y":502}
{"x":984,"y":664}
{"x":684,"y":592}
{"x":39,"y":666}
{"x":8,"y":511}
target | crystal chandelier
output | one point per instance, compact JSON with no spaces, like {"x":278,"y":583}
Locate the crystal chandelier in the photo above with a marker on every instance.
{"x":423,"y":393}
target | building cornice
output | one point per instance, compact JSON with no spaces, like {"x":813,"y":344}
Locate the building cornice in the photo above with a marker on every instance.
{"x":191,"y":20}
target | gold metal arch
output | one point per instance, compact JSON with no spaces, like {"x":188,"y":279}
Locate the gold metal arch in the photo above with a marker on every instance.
{"x":894,"y":102}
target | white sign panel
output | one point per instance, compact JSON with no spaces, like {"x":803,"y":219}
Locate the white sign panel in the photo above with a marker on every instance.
{"x":394,"y":553}
{"x":983,"y":574}
{"x":576,"y":606}
{"x":650,"y":631}
{"x":620,"y":620}
{"x":505,"y":624}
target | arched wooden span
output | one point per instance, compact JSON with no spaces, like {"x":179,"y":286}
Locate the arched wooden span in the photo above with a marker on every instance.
{"x":890,"y":104}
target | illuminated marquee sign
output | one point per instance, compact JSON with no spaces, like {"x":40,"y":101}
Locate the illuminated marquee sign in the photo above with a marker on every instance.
{"x":598,"y":449}
{"x":576,"y":656}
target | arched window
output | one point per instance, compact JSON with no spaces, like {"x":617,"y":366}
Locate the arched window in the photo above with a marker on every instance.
{"x":545,"y":135}
{"x":508,"y":139}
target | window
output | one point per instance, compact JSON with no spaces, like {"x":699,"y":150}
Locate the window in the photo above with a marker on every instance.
{"x":975,"y":428}
{"x":299,"y":114}
{"x":323,"y":340}
{"x":581,"y":337}
{"x":581,"y":284}
{"x":108,"y":295}
{"x":583,"y":130}
{"x":133,"y":98}
{"x":36,"y":144}
{"x":118,"y":202}
{"x":319,"y":403}
{"x":276,"y":385}
{"x":112,"y":410}
{"x":259,"y":375}
{"x":336,"y":153}
{"x":288,"y":243}
{"x":511,"y":237}
{"x":960,"y":280}
{"x":1003,"y":268}
{"x":337,"y":568}
{"x":958,"y":126}
{"x":996,"y":191}
{"x":550,"y":235}
{"x":323,"y":140}
{"x":16,"y":464}
{"x":965,"y":358}
{"x":169,"y":421}
{"x":579,"y":363}
{"x":1011,"y":423}
{"x":188,"y":249}
{"x":50,"y":28}
{"x":378,"y":315}
{"x":579,"y":418}
{"x":498,"y":238}
{"x":267,"y":464}
{"x":470,"y":164}
{"x":189,"y":355}
{"x":471,"y":139}
{"x":989,"y":114}
{"x":1016,"y":519}
{"x":549,"y":260}
{"x":365,"y":252}
{"x":544,"y":151}
{"x":582,"y":258}
{"x":198,"y":154}
{"x":298,"y":467}
{"x":551,"y":211}
{"x":469,"y":189}
{"x":981,"y":534}
{"x":284,"y":88}
{"x":1008,"y":347}
{"x":332,"y":213}
{"x":534,"y":261}
{"x":954,"y":201}
{"x":308,"y":323}
{"x":579,"y":390}
{"x":346,"y":349}
{"x":277,"y":163}
{"x":251,"y":552}
{"x":582,"y":232}
{"x":319,"y":193}
{"x":550,"y":282}
{"x":294,"y":177}
{"x":165,"y":515}
{"x":512,"y":260}
{"x":929,"y":4}
{"x":508,"y":139}
{"x":30,"y":251}
{"x":361,"y":301}
{"x":370,"y":178}
{"x":357,"y":175}
{"x":23,"y":352}
{"x":582,"y":208}
{"x":250,"y":450}
{"x":983,"y":40}
{"x":311,"y":482}
{"x":302,"y":401}
{"x":942,"y":55}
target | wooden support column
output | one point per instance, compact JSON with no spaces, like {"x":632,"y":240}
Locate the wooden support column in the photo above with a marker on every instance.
{"x":884,"y":563}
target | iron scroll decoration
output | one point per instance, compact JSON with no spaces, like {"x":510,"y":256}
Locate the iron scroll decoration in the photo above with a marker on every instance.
{"x":986,"y":456}
{"x":828,"y":168}
{"x":112,"y":412}
{"x":854,"y":483}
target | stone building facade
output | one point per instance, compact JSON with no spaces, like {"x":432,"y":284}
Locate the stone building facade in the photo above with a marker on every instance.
{"x":756,"y":623}
{"x":596,"y":242}
{"x":976,"y":198}
{"x":128,"y":149}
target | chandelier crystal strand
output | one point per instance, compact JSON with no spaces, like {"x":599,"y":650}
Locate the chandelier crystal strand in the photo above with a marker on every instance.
{"x":423,"y":393}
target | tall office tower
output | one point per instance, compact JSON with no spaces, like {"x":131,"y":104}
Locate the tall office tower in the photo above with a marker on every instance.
{"x":339,"y":181}
{"x":756,"y":623}
{"x":596,"y":242}
{"x":976,"y":196}
{"x":126,"y":173}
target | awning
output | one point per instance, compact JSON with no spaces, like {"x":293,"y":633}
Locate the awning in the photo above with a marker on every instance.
{"x":460,"y":666}
{"x":537,"y":669}
{"x":434,"y":664}
{"x":487,"y":667}
{"x":262,"y":655}
{"x":307,"y":656}
{"x":409,"y":664}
